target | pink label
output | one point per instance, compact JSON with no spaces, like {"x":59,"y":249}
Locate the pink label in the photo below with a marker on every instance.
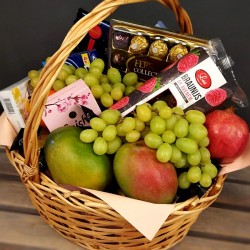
{"x":64,"y":108}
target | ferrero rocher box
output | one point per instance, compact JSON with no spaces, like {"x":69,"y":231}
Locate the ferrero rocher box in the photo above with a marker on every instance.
{"x":147,"y":50}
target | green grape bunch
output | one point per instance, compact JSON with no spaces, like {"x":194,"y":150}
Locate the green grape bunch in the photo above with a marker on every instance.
{"x":176,"y":136}
{"x":107,"y":87}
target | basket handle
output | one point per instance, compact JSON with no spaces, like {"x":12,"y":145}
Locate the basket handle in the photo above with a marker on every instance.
{"x":52,"y":68}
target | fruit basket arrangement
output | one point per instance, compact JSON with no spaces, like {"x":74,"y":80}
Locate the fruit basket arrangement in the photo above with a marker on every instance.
{"x":132,"y":131}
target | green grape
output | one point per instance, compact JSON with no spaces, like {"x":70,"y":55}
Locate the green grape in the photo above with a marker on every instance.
{"x":133,"y":136}
{"x":170,"y":122}
{"x":159,"y":104}
{"x":195,"y":116}
{"x":194,"y":174}
{"x":157,"y":125}
{"x":181,"y":128}
{"x":88,"y":135}
{"x":147,"y":104}
{"x":98,"y":62}
{"x":168,"y":136}
{"x":197,"y":131}
{"x":114,"y":75}
{"x":205,"y":155}
{"x":73,"y":69}
{"x":81,"y":72}
{"x":97,"y":91}
{"x":153,"y":140}
{"x":139,"y":125}
{"x":62,"y":75}
{"x":100,"y":146}
{"x":119,"y":85}
{"x":116,"y":93}
{"x":144,"y":132}
{"x":70,"y":79}
{"x":165,"y":112}
{"x":109,"y":133}
{"x":138,"y":84}
{"x":204,"y":142}
{"x":176,"y":154}
{"x":205,"y":180}
{"x":106,"y":87}
{"x":68,"y":69}
{"x":110,"y":116}
{"x":164,"y":152}
{"x":33,"y":73}
{"x":114,"y":145}
{"x":144,"y":113}
{"x":186,"y":145}
{"x":104,"y":79}
{"x":120,"y":130}
{"x":178,"y":111}
{"x":130,"y":78}
{"x":128,"y":90}
{"x":34,"y":81}
{"x":195,"y":158}
{"x":90,"y":79}
{"x":183,"y":182}
{"x":210,"y":169}
{"x":97,"y":124}
{"x":154,"y":114}
{"x":96,"y":71}
{"x":58,"y":84}
{"x":128,"y":124}
{"x":182,"y":163}
{"x":106,"y":100}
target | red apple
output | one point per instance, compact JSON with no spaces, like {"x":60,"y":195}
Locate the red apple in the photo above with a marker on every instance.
{"x":141,"y":176}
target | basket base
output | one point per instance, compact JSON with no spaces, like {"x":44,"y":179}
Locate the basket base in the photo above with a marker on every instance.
{"x":97,"y":226}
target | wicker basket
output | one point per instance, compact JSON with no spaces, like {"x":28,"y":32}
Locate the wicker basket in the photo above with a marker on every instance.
{"x":82,"y":218}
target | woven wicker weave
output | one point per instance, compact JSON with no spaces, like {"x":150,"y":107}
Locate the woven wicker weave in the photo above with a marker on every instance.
{"x":82,"y":218}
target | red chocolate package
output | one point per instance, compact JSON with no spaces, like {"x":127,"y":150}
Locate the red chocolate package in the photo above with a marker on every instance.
{"x":196,"y":81}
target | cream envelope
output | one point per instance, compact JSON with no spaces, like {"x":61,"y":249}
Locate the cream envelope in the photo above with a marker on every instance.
{"x":7,"y":132}
{"x":64,"y":107}
{"x":146,"y":217}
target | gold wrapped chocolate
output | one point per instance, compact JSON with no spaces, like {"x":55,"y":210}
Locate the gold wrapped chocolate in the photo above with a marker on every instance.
{"x":158,"y":49}
{"x":176,"y":52}
{"x":138,"y":45}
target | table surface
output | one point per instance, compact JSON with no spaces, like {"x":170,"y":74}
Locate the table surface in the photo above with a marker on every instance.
{"x":225,"y":225}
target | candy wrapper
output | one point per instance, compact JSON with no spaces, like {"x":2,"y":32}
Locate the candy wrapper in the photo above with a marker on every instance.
{"x":96,"y":39}
{"x":80,"y":59}
{"x":196,"y":81}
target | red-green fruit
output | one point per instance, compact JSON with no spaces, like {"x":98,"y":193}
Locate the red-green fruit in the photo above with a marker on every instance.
{"x":74,"y":162}
{"x":141,"y":176}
